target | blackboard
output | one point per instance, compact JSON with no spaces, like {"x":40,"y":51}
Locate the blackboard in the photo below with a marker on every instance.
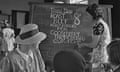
{"x":65,"y":25}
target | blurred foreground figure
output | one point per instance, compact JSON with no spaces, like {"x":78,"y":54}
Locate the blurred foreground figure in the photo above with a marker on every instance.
{"x":26,"y":57}
{"x":69,"y":61}
{"x":113,"y":50}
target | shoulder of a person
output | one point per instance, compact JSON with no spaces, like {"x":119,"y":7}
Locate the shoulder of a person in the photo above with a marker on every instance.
{"x":12,"y":56}
{"x":35,"y":50}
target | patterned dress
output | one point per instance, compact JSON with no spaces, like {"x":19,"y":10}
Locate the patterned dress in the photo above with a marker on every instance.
{"x":17,"y":61}
{"x":99,"y":54}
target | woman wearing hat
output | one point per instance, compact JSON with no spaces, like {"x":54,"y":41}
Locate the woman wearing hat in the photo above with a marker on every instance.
{"x":26,"y":57}
{"x":6,"y":39}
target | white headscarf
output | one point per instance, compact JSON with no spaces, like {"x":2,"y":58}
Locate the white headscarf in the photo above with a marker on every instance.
{"x":8,"y":35}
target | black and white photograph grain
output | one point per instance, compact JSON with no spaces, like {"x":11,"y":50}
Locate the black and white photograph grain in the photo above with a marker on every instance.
{"x":59,"y":35}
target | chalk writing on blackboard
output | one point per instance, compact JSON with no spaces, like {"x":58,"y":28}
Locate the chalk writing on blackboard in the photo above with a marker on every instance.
{"x":64,"y":18}
{"x":67,"y":37}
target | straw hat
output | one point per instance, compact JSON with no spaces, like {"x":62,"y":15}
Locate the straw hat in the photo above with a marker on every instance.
{"x":30,"y":34}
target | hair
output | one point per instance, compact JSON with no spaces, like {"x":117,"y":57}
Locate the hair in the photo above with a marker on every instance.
{"x":69,"y":61}
{"x":113,"y":50}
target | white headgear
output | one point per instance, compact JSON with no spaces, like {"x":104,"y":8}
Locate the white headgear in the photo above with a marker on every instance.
{"x":8,"y":35}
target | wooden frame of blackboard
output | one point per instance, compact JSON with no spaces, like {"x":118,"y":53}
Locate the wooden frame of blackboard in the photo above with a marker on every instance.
{"x":14,"y":16}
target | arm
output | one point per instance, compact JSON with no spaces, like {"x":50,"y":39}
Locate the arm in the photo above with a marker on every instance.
{"x":40,"y":61}
{"x":101,"y":29}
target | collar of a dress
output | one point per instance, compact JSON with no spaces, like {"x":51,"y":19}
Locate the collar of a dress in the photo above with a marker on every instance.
{"x":25,"y":56}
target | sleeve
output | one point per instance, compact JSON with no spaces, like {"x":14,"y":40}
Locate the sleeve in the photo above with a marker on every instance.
{"x":106,"y":33}
{"x":6,"y":65}
{"x":105,"y":40}
{"x":99,"y":54}
{"x":41,"y":62}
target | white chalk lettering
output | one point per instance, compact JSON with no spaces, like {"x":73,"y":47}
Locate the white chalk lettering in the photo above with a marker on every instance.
{"x":59,"y":18}
{"x":67,"y":37}
{"x":77,"y":20}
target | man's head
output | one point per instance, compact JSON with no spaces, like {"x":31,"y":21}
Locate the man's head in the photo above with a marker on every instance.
{"x":95,"y":11}
{"x":29,"y":34}
{"x":69,"y":61}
